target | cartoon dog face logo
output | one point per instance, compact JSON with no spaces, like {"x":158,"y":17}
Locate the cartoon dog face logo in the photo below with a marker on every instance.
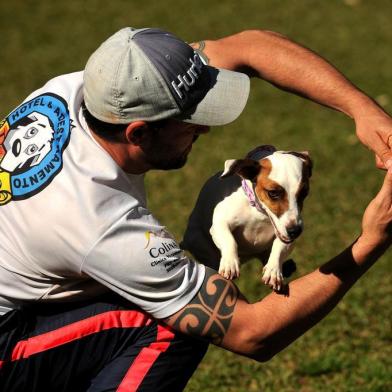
{"x":27,"y":143}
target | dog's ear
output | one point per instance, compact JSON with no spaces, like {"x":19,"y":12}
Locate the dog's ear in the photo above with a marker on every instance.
{"x":261,"y":152}
{"x":305,"y":157}
{"x":245,"y":168}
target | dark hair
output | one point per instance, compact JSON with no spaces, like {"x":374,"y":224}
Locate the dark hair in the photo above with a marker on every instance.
{"x":111,"y":131}
{"x":101,"y":128}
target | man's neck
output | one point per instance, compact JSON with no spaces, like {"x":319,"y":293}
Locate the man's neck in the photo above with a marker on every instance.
{"x":129,"y":157}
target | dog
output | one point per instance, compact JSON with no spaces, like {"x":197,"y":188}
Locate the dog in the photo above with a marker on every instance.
{"x":251,"y":210}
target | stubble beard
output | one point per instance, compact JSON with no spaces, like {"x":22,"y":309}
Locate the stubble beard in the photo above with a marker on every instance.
{"x":159,"y":162}
{"x":159,"y":159}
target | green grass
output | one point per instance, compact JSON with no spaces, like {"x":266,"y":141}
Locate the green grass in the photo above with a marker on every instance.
{"x":351,"y":349}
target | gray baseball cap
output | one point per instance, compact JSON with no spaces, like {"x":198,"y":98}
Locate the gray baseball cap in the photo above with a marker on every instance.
{"x":149,"y":74}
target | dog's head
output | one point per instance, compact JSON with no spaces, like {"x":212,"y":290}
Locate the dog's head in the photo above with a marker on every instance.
{"x":27,"y":143}
{"x":280,"y":181}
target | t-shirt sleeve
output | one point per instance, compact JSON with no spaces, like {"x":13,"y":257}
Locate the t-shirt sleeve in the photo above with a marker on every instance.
{"x":138,"y":259}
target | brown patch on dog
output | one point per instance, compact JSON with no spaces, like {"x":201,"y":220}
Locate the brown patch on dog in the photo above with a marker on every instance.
{"x":264,"y":184}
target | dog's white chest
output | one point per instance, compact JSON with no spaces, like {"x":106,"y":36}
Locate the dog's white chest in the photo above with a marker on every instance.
{"x":255,"y":233}
{"x":251,"y":229}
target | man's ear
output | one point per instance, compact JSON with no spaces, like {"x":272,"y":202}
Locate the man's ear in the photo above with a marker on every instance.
{"x":136,"y":132}
{"x":245,"y":168}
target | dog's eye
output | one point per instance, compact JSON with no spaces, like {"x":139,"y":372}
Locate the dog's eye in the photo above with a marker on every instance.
{"x":31,"y":149}
{"x":30,"y":133}
{"x":275,"y":194}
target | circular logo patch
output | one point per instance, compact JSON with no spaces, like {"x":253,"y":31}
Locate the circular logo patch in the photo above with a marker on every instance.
{"x":32,"y":140}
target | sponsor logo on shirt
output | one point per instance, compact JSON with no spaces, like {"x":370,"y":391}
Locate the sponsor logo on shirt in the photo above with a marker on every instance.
{"x":32,"y":140}
{"x":163,"y":250}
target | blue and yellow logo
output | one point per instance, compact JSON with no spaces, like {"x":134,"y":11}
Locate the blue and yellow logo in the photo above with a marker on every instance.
{"x":32,"y":140}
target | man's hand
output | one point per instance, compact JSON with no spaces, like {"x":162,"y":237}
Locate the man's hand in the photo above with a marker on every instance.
{"x":377,"y":219}
{"x":375,"y":132}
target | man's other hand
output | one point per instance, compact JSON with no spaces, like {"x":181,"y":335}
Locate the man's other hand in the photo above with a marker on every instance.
{"x":375,"y":132}
{"x":377,"y":219}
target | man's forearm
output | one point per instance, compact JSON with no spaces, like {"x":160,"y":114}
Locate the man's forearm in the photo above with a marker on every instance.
{"x":310,"y":299}
{"x":291,"y":67}
{"x":295,"y":68}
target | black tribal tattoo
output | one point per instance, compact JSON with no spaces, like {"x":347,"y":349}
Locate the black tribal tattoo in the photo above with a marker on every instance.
{"x":209,"y":314}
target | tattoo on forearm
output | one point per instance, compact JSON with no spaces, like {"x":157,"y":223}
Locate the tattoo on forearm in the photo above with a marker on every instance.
{"x":210,"y":313}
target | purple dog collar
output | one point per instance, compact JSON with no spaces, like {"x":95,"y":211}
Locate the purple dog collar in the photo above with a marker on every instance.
{"x":251,"y":196}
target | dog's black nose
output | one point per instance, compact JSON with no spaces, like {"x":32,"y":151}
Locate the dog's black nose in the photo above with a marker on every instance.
{"x":294,"y":231}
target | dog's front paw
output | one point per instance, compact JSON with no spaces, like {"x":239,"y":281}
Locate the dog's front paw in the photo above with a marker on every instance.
{"x":273,"y":277}
{"x":229,"y":268}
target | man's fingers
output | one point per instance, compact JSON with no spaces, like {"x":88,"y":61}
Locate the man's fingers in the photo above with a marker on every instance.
{"x":383,"y":151}
{"x":385,"y":155}
{"x":388,"y":178}
{"x":386,"y":188}
{"x":380,"y":163}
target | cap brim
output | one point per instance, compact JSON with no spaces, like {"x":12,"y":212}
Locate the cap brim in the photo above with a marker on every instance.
{"x":224,"y":102}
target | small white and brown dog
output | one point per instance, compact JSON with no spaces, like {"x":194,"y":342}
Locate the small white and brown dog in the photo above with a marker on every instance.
{"x":255,"y":213}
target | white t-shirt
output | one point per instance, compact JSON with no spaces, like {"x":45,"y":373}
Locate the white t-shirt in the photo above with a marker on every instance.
{"x":73,"y":224}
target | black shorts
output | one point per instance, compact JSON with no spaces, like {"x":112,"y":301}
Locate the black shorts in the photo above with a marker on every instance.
{"x":105,"y":345}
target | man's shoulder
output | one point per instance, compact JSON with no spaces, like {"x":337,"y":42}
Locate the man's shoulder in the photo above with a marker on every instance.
{"x":63,"y":85}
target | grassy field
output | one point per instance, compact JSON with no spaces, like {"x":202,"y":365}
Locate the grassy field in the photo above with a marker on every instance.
{"x":351,"y":349}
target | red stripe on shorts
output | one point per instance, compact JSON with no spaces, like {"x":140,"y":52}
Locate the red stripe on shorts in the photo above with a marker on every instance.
{"x":145,"y":359}
{"x":78,"y":330}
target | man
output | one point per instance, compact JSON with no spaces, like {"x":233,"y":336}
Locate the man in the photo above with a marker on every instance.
{"x":83,"y":263}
